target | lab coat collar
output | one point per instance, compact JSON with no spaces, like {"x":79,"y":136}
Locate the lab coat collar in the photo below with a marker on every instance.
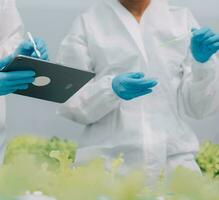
{"x":132,"y":26}
{"x":156,"y":19}
{"x":159,"y":21}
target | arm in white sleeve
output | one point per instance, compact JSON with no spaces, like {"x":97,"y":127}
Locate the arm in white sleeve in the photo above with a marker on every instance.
{"x":199,"y":91}
{"x":8,"y":46}
{"x":96,"y":99}
{"x":11,"y":28}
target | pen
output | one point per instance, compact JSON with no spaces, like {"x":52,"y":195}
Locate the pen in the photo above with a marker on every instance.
{"x":34,"y":45}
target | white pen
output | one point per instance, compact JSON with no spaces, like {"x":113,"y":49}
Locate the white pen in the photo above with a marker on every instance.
{"x":34,"y":45}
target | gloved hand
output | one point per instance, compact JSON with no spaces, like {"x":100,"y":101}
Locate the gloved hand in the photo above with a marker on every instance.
{"x":26,"y":49}
{"x":132,"y":85}
{"x":204,"y":44}
{"x":13,"y":81}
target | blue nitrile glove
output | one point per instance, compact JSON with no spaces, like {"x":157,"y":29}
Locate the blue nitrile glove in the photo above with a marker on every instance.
{"x":13,"y":81}
{"x":204,"y":44}
{"x":19,"y":80}
{"x":132,"y":85}
{"x":26,"y":49}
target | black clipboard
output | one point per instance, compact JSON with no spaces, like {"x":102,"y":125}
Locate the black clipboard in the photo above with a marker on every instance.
{"x":53,"y":82}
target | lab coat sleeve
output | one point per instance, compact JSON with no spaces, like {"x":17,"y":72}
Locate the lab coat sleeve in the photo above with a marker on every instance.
{"x":10,"y":44}
{"x":11,"y":31}
{"x":199,"y":91}
{"x":11,"y":28}
{"x":96,"y":99}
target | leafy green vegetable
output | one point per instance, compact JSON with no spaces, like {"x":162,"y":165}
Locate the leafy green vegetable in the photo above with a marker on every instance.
{"x":42,"y":149}
{"x":208,"y":159}
{"x":36,"y":164}
{"x":90,"y":182}
{"x":188,"y":185}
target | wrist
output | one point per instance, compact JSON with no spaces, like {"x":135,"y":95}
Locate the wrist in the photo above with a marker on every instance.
{"x":115,"y":86}
{"x":6,"y":61}
{"x":10,"y":58}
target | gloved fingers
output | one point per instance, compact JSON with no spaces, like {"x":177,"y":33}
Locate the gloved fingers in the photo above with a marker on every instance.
{"x":214,"y":47}
{"x":134,"y":75}
{"x":16,"y":75}
{"x":22,"y":87}
{"x":201,"y":31}
{"x":34,"y":55}
{"x":132,"y":79}
{"x":15,"y":83}
{"x":203,"y":36}
{"x":26,"y":45}
{"x":13,"y":89}
{"x":139,"y":84}
{"x":41,"y":45}
{"x":142,"y":93}
{"x":211,"y":40}
{"x":44,"y":55}
{"x":25,"y":48}
{"x":208,"y":35}
{"x":199,"y":34}
{"x":6,"y":92}
{"x":149,"y":83}
{"x":19,"y":87}
{"x":131,"y":83}
{"x":43,"y":51}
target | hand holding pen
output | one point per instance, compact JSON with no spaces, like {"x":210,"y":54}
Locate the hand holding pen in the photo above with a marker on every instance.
{"x":34,"y":47}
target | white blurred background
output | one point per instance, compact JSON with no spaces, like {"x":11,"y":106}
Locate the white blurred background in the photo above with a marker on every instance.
{"x":51,"y":20}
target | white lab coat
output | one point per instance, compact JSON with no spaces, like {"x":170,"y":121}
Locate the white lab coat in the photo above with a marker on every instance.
{"x":149,"y":131}
{"x":10,"y":37}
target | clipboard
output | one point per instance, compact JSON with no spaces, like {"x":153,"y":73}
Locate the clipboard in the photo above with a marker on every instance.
{"x":54,"y":82}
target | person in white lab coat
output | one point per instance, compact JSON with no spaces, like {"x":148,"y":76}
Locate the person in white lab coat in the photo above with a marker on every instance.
{"x":115,"y":37}
{"x":12,"y":44}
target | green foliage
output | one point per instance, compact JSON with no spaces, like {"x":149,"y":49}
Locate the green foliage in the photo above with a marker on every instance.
{"x":188,"y":185}
{"x":88,"y":182}
{"x":42,"y":149}
{"x":208,"y":159}
{"x":36,"y":164}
